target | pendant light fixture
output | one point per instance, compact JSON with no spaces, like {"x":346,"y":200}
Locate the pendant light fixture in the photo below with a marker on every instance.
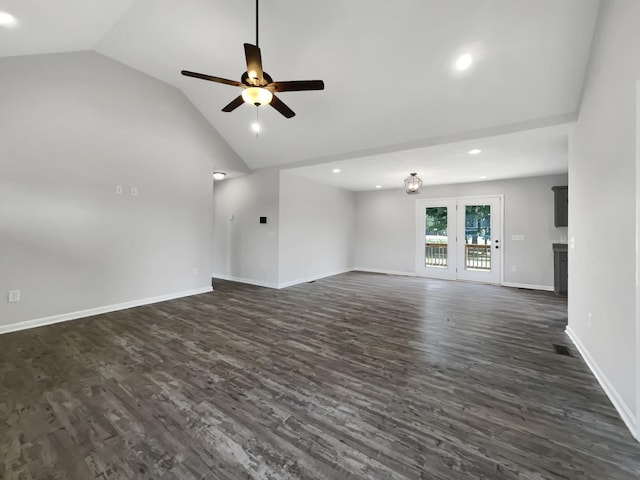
{"x":412,"y":184}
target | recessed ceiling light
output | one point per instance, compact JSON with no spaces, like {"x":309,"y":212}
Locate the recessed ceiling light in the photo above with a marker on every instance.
{"x":219,"y":175}
{"x":7,"y":20}
{"x":483,"y":177}
{"x":463,"y":62}
{"x":475,"y":151}
{"x":336,"y":170}
{"x":255,"y":127}
{"x":378,"y":186}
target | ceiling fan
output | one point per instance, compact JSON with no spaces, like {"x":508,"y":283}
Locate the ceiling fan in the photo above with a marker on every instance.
{"x":258,"y":86}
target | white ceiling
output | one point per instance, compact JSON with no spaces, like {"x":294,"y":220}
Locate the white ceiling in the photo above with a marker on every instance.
{"x":57,"y":26}
{"x":530,"y":153}
{"x":387,"y":67}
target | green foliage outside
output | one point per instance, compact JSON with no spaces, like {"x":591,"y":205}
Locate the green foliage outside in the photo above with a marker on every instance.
{"x":477,"y":223}
{"x":436,"y":224}
{"x":478,"y":220}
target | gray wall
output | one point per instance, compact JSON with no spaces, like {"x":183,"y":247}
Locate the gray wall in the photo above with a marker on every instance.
{"x":603,"y":208}
{"x":309,"y":234}
{"x":72,"y":127}
{"x":317,"y":229}
{"x":244,"y":249}
{"x":386,"y":226}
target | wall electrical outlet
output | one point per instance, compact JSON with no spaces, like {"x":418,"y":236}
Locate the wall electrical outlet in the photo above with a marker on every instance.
{"x":118,"y":189}
{"x":514,"y":268}
{"x":195,"y":272}
{"x":14,"y":296}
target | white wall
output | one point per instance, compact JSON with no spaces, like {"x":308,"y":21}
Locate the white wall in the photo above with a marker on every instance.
{"x":317,"y":229}
{"x":72,"y":127}
{"x":243,"y":249}
{"x":602,"y":210}
{"x":386,"y":226}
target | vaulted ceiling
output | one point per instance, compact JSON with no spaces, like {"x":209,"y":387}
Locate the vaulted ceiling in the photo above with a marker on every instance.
{"x":387,"y":66}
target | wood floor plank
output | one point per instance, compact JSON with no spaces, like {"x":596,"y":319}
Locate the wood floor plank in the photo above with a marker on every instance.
{"x":357,"y":376}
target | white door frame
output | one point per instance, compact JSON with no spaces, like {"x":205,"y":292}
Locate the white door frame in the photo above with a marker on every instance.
{"x":423,"y":202}
{"x":637,"y":426}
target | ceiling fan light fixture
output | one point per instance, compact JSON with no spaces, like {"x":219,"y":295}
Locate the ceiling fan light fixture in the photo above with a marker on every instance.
{"x":257,"y":96}
{"x":412,"y":184}
{"x":258,"y":86}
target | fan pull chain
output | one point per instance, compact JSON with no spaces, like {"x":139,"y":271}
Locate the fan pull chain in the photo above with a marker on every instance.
{"x":257,"y":122}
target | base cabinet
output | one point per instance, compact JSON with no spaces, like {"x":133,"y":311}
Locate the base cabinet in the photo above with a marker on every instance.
{"x":560,"y":268}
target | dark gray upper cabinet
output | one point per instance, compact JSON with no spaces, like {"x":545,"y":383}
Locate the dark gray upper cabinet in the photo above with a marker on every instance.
{"x":561,"y":206}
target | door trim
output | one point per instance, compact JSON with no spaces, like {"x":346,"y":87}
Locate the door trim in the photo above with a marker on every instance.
{"x":636,"y":430}
{"x":445,"y":201}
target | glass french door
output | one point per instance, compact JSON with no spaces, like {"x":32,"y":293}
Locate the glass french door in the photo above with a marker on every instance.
{"x":479,"y":243}
{"x":459,"y":239}
{"x":436,"y":238}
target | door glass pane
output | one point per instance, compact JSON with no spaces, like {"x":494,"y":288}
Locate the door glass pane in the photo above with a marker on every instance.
{"x":477,"y":226}
{"x":435,"y":236}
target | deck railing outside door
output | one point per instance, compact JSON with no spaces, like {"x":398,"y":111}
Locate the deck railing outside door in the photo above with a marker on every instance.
{"x":436,"y":254}
{"x":477,"y":257}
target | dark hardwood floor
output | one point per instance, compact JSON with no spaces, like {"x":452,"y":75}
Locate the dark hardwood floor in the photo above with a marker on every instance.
{"x":357,"y":376}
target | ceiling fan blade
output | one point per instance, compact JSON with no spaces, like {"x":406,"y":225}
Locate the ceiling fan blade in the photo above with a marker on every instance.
{"x":254,"y":63}
{"x":235,"y":103}
{"x":211,"y":78}
{"x":280,"y":106}
{"x":297,"y":85}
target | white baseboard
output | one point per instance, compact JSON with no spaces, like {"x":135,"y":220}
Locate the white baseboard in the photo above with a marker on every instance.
{"x":623,"y":410}
{"x":529,"y":286}
{"x":278,"y":286}
{"x":65,"y":317}
{"x":385,"y":272}
{"x":248,"y":281}
{"x":313,"y":278}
